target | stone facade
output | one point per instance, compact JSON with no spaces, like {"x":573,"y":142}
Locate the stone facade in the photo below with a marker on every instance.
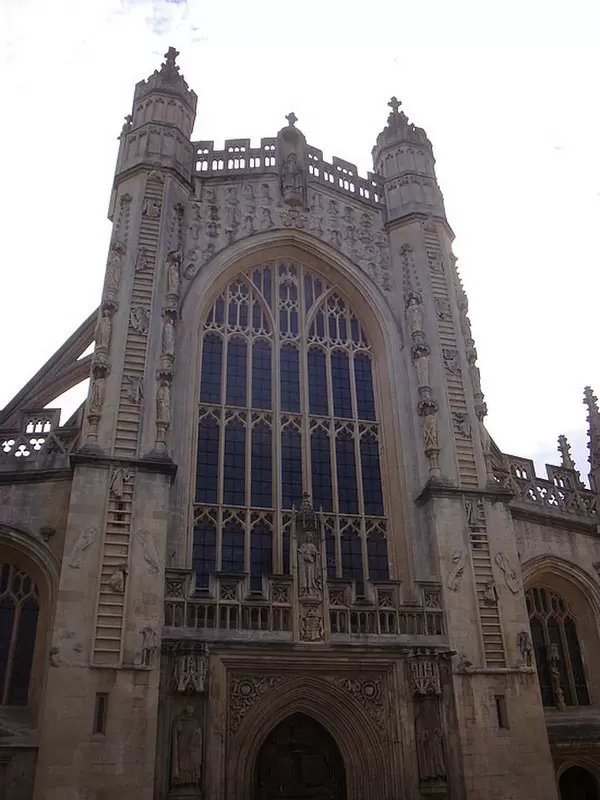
{"x":153,"y":677}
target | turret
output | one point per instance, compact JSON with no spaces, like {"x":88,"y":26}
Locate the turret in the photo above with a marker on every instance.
{"x":403,"y":156}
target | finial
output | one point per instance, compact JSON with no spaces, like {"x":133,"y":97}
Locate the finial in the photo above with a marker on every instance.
{"x":591,"y":402}
{"x":292,"y":119}
{"x":564,"y":448}
{"x":395,"y":104}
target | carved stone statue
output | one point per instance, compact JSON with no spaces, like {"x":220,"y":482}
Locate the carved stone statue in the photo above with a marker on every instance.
{"x":174,"y":259}
{"x":163,"y":403}
{"x":510,"y":576}
{"x":85,"y":540}
{"x":149,"y":645}
{"x":429,"y":738}
{"x":312,"y":626}
{"x":309,"y":584}
{"x":292,"y":181}
{"x":117,"y":579}
{"x":430,"y":432}
{"x":168,"y":338}
{"x":414,"y":312}
{"x":422,"y":367}
{"x":189,"y":672}
{"x":151,"y":208}
{"x":186,"y":755}
{"x":525,"y":646}
{"x":104,"y":330}
{"x":113,"y":268}
{"x":97,"y":394}
{"x":118,"y":481}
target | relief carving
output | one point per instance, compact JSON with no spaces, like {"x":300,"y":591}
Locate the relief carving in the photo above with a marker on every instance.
{"x":525,"y":648}
{"x":135,"y":389}
{"x":138,"y":319}
{"x":245,"y":690}
{"x":186,"y":750}
{"x":84,"y":542}
{"x":311,"y":626}
{"x":190,"y":671}
{"x":150,"y":642}
{"x":510,"y":576}
{"x":117,"y":483}
{"x":429,"y":739}
{"x":368,"y":692}
{"x":117,"y":579}
{"x":459,"y":560}
{"x":149,"y":553}
{"x":462,"y":424}
{"x":425,"y":676}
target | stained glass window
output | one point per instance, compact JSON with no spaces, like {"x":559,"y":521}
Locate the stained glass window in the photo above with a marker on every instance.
{"x":556,"y":648}
{"x":297,"y":412}
{"x":19,"y":609}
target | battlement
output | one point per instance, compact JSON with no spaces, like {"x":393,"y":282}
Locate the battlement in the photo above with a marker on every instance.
{"x":239,"y":157}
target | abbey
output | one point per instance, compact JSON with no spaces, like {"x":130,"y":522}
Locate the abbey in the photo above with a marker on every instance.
{"x":276,"y":553}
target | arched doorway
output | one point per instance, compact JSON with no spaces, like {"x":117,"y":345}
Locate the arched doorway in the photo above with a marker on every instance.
{"x":577,"y":783}
{"x":299,"y":760}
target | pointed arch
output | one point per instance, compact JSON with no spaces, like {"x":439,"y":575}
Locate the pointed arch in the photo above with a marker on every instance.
{"x":360,"y":741}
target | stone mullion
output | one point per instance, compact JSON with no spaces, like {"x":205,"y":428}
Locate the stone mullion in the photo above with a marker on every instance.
{"x":277,"y":437}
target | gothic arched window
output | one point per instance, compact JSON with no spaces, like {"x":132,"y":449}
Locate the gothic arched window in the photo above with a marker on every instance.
{"x":556,"y":645}
{"x":287,"y":404}
{"x":19,"y":609}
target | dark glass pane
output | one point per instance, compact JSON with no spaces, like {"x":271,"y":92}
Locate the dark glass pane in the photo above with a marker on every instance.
{"x":212,"y":358}
{"x":261,"y":555}
{"x":541,"y":661}
{"x":204,"y":552}
{"x":330,"y":555}
{"x":291,"y":468}
{"x":7,"y":616}
{"x":220,"y":311}
{"x":286,"y":552}
{"x":371,"y":476}
{"x":576,"y":662}
{"x":207,"y":462}
{"x":267,"y":285}
{"x":340,"y":379}
{"x":317,"y":381}
{"x":236,"y":372}
{"x":261,"y":375}
{"x":320,"y":457}
{"x":555,"y":638}
{"x":234,"y":465}
{"x":364,"y":387}
{"x":352,"y":565}
{"x":20,"y":673}
{"x":261,"y":466}
{"x":378,"y":558}
{"x":308,"y":292}
{"x":346,"y":474}
{"x":232,"y":548}
{"x":290,"y":379}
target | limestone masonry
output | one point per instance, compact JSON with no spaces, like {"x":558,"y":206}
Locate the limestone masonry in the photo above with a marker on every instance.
{"x":277,"y":554}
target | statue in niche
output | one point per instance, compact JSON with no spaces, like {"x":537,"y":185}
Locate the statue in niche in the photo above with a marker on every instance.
{"x":429,"y":739}
{"x":265,"y":219}
{"x":186,"y":749}
{"x":104,"y":330}
{"x":174,"y":259}
{"x":151,"y":208}
{"x":414,"y":311}
{"x":422,"y":367}
{"x":309,"y":582}
{"x":97,"y":394}
{"x":292,"y":181}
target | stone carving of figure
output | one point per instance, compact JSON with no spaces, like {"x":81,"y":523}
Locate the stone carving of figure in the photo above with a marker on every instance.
{"x":308,"y":578}
{"x":138,"y":319}
{"x":186,"y":756}
{"x":97,"y":394}
{"x":142,"y":259}
{"x":422,"y":367}
{"x":149,"y":645}
{"x":292,"y":181}
{"x":118,"y":481}
{"x":174,"y":259}
{"x":163,"y":403}
{"x":104,"y":330}
{"x":85,"y":540}
{"x":490,"y":594}
{"x":525,"y":646}
{"x":114,"y":266}
{"x":430,"y":748}
{"x":117,"y":579}
{"x":168,"y":337}
{"x":459,"y":559}
{"x":265,"y":219}
{"x":135,"y":390}
{"x":151,"y":208}
{"x":414,"y":312}
{"x":149,"y":553}
{"x":510,"y":576}
{"x":312,"y":626}
{"x":430,"y":432}
{"x":265,"y":195}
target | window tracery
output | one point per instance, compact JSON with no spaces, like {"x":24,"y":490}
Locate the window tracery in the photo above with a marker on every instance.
{"x":19,"y":609}
{"x":287,"y":402}
{"x":556,"y":646}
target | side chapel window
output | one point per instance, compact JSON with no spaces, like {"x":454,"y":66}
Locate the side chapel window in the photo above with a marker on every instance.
{"x":19,"y":609}
{"x":556,"y":647}
{"x":287,"y":404}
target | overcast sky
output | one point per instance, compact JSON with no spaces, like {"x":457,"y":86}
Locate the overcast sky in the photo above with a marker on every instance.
{"x":507,"y":92}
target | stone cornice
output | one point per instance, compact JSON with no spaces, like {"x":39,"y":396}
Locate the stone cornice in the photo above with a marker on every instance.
{"x":36,"y":476}
{"x":415,"y":216}
{"x":161,"y":466}
{"x":434,"y":489}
